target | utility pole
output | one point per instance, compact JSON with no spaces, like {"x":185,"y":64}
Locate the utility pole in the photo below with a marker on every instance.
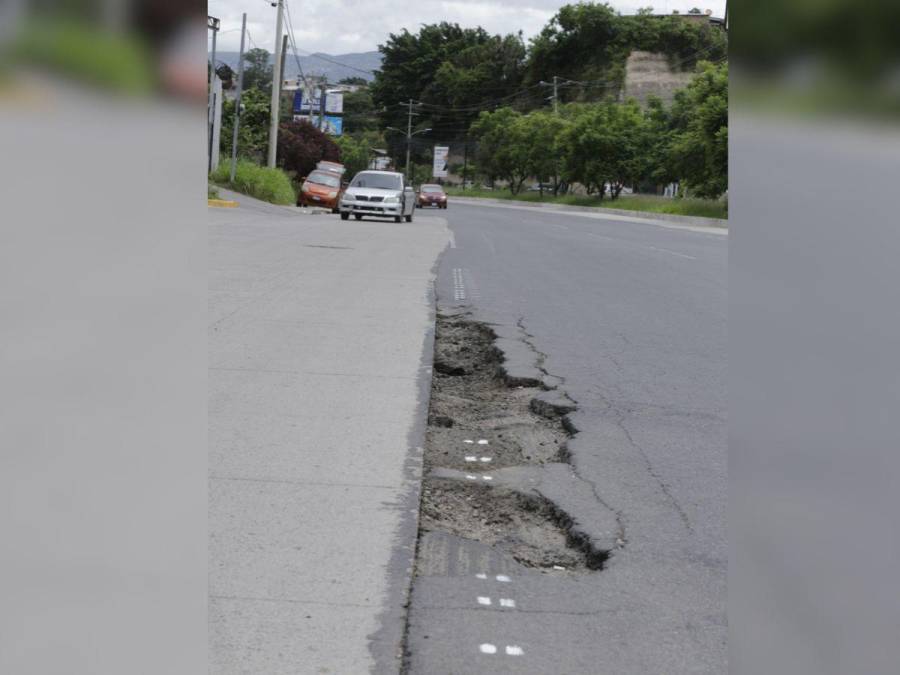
{"x":322,"y":88}
{"x":237,"y":101}
{"x":555,"y":96}
{"x":212,"y":23}
{"x":465,"y":160}
{"x":284,"y":43}
{"x":276,"y":87}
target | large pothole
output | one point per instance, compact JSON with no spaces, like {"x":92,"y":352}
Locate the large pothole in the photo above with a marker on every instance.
{"x":477,"y":424}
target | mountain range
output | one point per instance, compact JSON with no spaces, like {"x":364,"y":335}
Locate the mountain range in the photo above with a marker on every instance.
{"x":333,"y":66}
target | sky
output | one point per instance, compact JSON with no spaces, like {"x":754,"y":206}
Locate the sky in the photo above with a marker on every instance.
{"x":346,"y":26}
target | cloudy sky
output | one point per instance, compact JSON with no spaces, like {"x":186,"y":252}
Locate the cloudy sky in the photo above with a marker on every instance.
{"x":344,"y":26}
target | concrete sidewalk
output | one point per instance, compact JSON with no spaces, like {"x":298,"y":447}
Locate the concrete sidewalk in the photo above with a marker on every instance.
{"x":319,"y":352}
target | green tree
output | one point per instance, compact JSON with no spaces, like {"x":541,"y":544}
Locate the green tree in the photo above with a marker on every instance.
{"x":356,"y":150}
{"x":542,"y":132}
{"x":698,"y":151}
{"x":301,"y":146}
{"x":502,"y":146}
{"x":354,"y":80}
{"x":253,"y":135}
{"x":604,"y":147}
{"x":257,"y":71}
{"x":359,"y":111}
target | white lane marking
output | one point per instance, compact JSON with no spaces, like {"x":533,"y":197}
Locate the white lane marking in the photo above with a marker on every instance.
{"x":471,"y":458}
{"x":459,"y":285}
{"x":483,"y":441}
{"x":507,"y":602}
{"x":482,"y":600}
{"x":503,"y":577}
{"x":488,"y":648}
{"x":488,"y":477}
{"x":483,"y":459}
{"x":469,"y":441}
{"x":471,"y":477}
{"x":514,"y":650}
{"x":481,"y":575}
{"x":665,"y":250}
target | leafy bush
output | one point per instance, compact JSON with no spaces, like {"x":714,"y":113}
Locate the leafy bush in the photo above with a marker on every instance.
{"x":301,"y":146}
{"x":270,"y":185}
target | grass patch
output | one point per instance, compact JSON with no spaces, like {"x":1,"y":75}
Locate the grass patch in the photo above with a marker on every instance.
{"x":703,"y":208}
{"x":212,"y":192}
{"x":269,"y":185}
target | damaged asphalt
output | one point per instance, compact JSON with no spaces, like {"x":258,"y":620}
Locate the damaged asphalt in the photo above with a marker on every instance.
{"x":607,"y":340}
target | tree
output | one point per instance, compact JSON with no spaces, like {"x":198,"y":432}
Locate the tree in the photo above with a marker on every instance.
{"x":361,"y":81}
{"x":542,"y":132}
{"x":502,"y":146}
{"x":257,"y":72}
{"x":698,"y":151}
{"x":301,"y":146}
{"x":356,"y":150}
{"x":457,"y":71}
{"x":253,"y":135}
{"x":359,"y":111}
{"x":604,"y":147}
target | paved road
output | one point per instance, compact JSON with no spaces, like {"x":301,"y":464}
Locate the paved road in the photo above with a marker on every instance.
{"x":633,"y":318}
{"x":319,"y":353}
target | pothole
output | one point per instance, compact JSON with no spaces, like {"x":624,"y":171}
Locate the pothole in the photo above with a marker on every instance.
{"x":477,"y":423}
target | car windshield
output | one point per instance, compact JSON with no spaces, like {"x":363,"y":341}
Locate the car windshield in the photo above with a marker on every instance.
{"x":432,"y":188}
{"x":324,"y":178}
{"x":380,"y":181}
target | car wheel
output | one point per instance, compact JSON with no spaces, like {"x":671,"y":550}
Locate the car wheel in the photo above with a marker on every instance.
{"x":345,"y":216}
{"x":357,"y":216}
{"x":409,"y":218}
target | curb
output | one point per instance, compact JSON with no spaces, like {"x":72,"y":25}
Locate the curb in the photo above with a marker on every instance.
{"x":649,"y":217}
{"x":222,"y":203}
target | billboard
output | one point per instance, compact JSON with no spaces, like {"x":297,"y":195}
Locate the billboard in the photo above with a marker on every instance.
{"x":334,"y":102}
{"x":333,"y":125}
{"x":441,"y":152}
{"x":302,"y":100}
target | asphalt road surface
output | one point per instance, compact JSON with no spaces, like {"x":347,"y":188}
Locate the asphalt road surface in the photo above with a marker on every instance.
{"x":632,"y":319}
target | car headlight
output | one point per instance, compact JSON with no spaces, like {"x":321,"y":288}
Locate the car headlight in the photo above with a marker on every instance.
{"x":332,"y":195}
{"x":347,"y":198}
{"x":392,"y":200}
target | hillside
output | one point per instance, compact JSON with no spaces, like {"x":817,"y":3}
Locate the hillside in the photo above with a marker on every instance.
{"x":333,"y":66}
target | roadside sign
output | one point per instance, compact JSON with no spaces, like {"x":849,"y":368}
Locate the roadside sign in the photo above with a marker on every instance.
{"x":439,"y":169}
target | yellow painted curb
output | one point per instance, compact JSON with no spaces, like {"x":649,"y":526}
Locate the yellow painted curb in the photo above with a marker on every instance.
{"x":221,"y":203}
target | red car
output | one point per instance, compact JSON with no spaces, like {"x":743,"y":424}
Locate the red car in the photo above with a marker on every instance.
{"x":432,"y":195}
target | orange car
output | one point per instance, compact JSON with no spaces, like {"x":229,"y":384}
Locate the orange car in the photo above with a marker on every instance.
{"x":321,"y":188}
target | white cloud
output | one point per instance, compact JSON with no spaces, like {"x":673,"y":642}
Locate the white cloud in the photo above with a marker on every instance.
{"x":342,"y":26}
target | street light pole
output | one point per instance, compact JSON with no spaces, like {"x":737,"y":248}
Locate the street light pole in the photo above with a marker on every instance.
{"x":237,"y":102}
{"x":408,"y":137}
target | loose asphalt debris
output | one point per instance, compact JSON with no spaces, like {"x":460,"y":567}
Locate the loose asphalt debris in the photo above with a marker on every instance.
{"x":480,"y":422}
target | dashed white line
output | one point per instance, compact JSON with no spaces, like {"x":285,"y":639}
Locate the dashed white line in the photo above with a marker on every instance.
{"x":483,"y":459}
{"x":471,"y":458}
{"x":514,"y":650}
{"x":503,"y":578}
{"x":508,"y":602}
{"x":483,"y":441}
{"x":481,"y":575}
{"x":482,"y":600}
{"x":459,"y":285}
{"x":488,"y":648}
{"x":469,"y":441}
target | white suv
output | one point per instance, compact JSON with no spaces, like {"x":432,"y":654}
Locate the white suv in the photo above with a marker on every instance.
{"x":379,"y":193}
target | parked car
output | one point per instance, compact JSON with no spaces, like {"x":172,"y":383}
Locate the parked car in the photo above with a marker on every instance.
{"x":537,"y":187}
{"x":431,"y":195}
{"x":379,"y":193}
{"x":321,"y":188}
